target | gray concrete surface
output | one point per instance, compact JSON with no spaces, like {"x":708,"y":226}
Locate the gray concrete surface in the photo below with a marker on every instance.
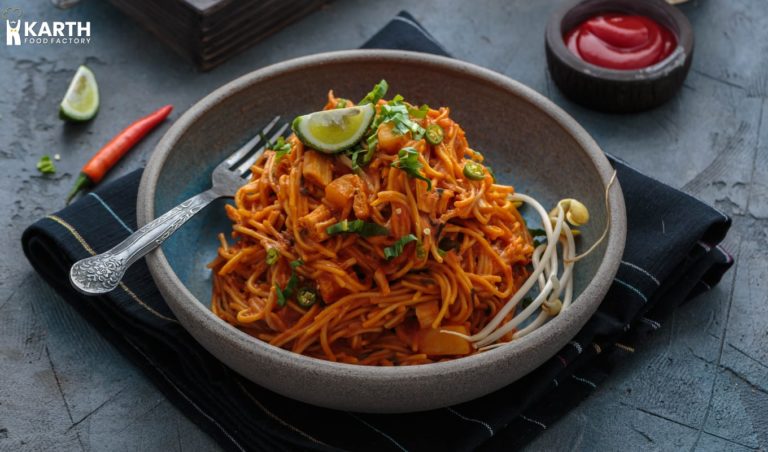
{"x":700,"y":383}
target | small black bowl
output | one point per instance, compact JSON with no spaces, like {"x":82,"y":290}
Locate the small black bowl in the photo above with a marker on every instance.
{"x":611,"y":90}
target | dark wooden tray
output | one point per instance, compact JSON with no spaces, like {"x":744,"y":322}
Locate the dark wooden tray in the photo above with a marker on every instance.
{"x":209,"y":32}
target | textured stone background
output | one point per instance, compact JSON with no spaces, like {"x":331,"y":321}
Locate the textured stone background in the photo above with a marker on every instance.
{"x":700,"y":383}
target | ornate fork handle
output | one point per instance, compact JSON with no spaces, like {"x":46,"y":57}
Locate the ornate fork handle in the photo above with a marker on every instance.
{"x":102,"y":273}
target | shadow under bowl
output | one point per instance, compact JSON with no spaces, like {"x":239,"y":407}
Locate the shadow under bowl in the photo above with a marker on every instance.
{"x":531,"y":143}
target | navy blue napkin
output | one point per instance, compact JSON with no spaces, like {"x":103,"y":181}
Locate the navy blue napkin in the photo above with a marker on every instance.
{"x":660,"y":269}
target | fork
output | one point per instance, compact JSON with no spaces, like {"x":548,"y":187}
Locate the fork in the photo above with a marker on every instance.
{"x":103,"y":272}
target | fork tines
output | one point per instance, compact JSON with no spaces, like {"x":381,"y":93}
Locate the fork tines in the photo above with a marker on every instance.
{"x":245,"y":167}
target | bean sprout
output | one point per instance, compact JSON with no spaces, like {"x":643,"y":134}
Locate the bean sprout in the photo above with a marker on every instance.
{"x":555,"y":288}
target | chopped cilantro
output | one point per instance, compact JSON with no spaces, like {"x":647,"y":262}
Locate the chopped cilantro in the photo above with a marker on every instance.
{"x":408,"y":161}
{"x":360,"y":227}
{"x":396,"y":249}
{"x":284,"y":294}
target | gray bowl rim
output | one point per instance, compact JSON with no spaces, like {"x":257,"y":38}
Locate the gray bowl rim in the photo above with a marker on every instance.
{"x":579,"y":312}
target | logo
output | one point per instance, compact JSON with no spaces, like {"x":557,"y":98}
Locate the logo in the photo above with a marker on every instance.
{"x":26,"y":32}
{"x":12,"y":18}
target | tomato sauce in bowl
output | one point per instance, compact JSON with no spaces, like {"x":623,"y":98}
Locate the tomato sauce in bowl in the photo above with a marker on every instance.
{"x":621,"y":41}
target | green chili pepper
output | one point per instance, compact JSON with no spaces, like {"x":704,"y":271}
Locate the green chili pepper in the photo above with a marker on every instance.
{"x":306,"y":297}
{"x":434,"y":134}
{"x":45,"y":165}
{"x":474,"y":170}
{"x":272,"y":256}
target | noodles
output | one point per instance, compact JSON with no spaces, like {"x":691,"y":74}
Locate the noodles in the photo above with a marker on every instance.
{"x":416,"y":274}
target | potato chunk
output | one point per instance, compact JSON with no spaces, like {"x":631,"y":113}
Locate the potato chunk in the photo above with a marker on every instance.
{"x":318,"y":168}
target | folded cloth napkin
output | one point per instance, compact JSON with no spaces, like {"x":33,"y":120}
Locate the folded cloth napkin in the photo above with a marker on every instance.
{"x":672,"y":254}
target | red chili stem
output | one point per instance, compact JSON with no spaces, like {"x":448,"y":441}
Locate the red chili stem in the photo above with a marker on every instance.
{"x":98,"y":166}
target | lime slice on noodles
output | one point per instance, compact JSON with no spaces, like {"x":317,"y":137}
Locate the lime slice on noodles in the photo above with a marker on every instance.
{"x":82,"y":99}
{"x":332,"y":131}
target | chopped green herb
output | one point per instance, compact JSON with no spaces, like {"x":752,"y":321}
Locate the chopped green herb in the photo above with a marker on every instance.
{"x":306,"y":297}
{"x":360,"y":227}
{"x":525,"y":302}
{"x":281,"y":148}
{"x":284,"y":294}
{"x":434,"y":134}
{"x":408,"y":161}
{"x":419,"y":113}
{"x":371,"y":143}
{"x":396,"y":112}
{"x":474,"y":170}
{"x":341,"y":103}
{"x":281,"y":296}
{"x":272,"y":256}
{"x":379,"y":90}
{"x":396,"y":249}
{"x":354,"y":155}
{"x":537,"y":232}
{"x":45,"y":165}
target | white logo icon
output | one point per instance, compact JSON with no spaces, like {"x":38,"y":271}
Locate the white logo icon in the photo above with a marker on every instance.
{"x":12,"y":37}
{"x":27,"y":32}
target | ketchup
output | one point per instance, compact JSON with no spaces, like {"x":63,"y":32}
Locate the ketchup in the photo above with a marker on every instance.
{"x":621,"y":41}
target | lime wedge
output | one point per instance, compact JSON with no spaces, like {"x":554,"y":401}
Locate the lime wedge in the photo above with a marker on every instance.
{"x":82,"y":99}
{"x":332,"y":131}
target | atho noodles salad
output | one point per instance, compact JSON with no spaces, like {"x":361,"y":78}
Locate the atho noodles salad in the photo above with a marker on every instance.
{"x":376,"y":235}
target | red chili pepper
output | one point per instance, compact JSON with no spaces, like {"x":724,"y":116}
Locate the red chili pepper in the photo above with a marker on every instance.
{"x":112,"y":152}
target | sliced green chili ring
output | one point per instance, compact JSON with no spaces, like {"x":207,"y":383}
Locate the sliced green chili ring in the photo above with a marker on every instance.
{"x":474,"y":170}
{"x":45,"y":165}
{"x":272,"y":256}
{"x":434,"y":134}
{"x":306,"y":297}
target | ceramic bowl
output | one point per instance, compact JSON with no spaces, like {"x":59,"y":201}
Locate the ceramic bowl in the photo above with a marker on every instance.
{"x":530,"y":142}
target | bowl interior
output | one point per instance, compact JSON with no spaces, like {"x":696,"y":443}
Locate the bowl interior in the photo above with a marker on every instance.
{"x":531,"y":143}
{"x":526,"y":147}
